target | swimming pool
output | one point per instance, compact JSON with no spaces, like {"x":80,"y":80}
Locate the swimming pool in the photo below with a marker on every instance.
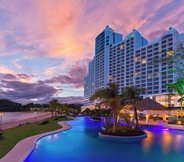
{"x":81,"y":144}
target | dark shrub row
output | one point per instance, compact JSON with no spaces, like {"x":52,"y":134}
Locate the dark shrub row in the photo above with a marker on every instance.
{"x":123,"y":131}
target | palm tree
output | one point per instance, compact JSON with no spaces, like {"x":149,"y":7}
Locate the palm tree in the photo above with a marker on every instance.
{"x":132,"y":94}
{"x":110,"y":96}
{"x":179,"y":88}
{"x":53,"y":104}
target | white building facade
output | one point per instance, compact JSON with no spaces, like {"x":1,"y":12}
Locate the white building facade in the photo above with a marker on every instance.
{"x":129,"y":62}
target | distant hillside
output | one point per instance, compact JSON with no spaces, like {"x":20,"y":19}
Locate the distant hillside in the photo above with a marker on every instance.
{"x":76,"y":106}
{"x":9,"y":106}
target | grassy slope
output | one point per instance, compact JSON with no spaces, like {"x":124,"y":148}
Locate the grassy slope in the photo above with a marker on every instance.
{"x":14,"y":135}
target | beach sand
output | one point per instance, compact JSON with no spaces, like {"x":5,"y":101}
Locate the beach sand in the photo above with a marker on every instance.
{"x":23,"y":148}
{"x":13,"y":124}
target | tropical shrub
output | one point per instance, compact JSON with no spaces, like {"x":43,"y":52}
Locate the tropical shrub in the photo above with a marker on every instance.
{"x":122,"y":131}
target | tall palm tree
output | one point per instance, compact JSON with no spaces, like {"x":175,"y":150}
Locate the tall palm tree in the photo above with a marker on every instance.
{"x":53,"y":104}
{"x":132,"y":94}
{"x":179,"y":88}
{"x":110,"y":96}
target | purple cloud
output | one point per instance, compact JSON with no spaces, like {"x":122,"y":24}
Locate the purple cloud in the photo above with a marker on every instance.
{"x":74,"y":77}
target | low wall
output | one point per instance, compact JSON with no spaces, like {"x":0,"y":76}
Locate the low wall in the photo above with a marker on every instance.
{"x":174,"y":126}
{"x":122,"y":138}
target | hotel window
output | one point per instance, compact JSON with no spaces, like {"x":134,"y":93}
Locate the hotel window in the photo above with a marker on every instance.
{"x":110,"y":77}
{"x":163,"y":82}
{"x":149,"y":72}
{"x":149,"y":84}
{"x":170,"y":44}
{"x":149,"y":88}
{"x":143,"y":61}
{"x":164,"y":73}
{"x":122,"y":46}
{"x":169,"y":53}
{"x":170,"y":81}
{"x":149,"y":80}
{"x":149,"y":76}
{"x":164,"y":68}
{"x":170,"y":76}
{"x":137,"y":55}
{"x":137,"y":74}
{"x":137,"y":59}
{"x":156,"y":92}
{"x":155,"y":79}
{"x":156,"y":75}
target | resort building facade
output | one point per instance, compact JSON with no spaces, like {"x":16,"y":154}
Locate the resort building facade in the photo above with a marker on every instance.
{"x":129,"y":62}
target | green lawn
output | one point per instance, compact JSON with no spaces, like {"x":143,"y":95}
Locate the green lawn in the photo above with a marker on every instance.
{"x":14,"y":135}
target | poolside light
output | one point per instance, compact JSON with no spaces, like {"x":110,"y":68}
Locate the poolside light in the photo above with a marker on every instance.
{"x":1,"y":115}
{"x":179,"y":122}
{"x":35,"y":115}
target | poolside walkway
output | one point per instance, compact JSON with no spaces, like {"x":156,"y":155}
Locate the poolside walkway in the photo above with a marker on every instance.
{"x":22,"y":149}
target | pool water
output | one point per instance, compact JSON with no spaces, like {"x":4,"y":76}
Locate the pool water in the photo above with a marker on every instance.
{"x":81,"y":144}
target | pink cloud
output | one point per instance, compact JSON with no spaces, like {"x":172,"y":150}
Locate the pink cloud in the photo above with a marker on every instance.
{"x":66,"y":30}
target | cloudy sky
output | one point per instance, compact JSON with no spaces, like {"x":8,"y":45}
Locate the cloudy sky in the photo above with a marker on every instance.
{"x":46,"y":45}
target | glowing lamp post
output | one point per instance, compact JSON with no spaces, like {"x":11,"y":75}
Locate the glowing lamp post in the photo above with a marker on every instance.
{"x":1,"y":115}
{"x":35,"y":115}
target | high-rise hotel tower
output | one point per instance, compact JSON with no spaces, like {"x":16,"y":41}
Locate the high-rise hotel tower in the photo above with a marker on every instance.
{"x":129,"y":62}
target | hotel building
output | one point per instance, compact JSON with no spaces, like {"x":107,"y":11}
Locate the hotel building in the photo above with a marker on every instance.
{"x":129,"y":62}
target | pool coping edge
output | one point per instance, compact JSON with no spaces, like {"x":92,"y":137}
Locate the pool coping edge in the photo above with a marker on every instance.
{"x":19,"y":153}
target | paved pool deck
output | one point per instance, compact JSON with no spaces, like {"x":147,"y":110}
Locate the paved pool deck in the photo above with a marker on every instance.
{"x":22,"y":149}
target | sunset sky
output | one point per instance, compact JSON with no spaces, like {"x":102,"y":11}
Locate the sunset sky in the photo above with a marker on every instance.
{"x":46,"y":45}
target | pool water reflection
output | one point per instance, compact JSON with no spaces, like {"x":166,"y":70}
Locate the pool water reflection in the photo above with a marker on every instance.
{"x":81,"y":144}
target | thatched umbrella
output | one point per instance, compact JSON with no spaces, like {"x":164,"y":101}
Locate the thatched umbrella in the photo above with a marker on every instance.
{"x":149,"y":104}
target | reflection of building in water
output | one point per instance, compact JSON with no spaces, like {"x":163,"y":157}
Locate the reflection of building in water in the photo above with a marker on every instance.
{"x":178,"y":142}
{"x":166,"y":142}
{"x":147,"y":143}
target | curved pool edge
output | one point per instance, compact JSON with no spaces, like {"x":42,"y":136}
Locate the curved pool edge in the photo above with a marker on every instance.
{"x":24,"y":147}
{"x":122,"y":138}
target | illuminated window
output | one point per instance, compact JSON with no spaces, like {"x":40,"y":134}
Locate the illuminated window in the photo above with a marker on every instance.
{"x":143,"y":61}
{"x":137,"y":59}
{"x":150,"y":75}
{"x":169,"y":53}
{"x":122,"y":46}
{"x":92,"y":84}
{"x":110,"y":77}
{"x":137,"y":74}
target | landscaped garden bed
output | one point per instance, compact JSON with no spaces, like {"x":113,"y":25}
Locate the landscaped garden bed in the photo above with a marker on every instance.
{"x":95,"y":118}
{"x":122,"y":131}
